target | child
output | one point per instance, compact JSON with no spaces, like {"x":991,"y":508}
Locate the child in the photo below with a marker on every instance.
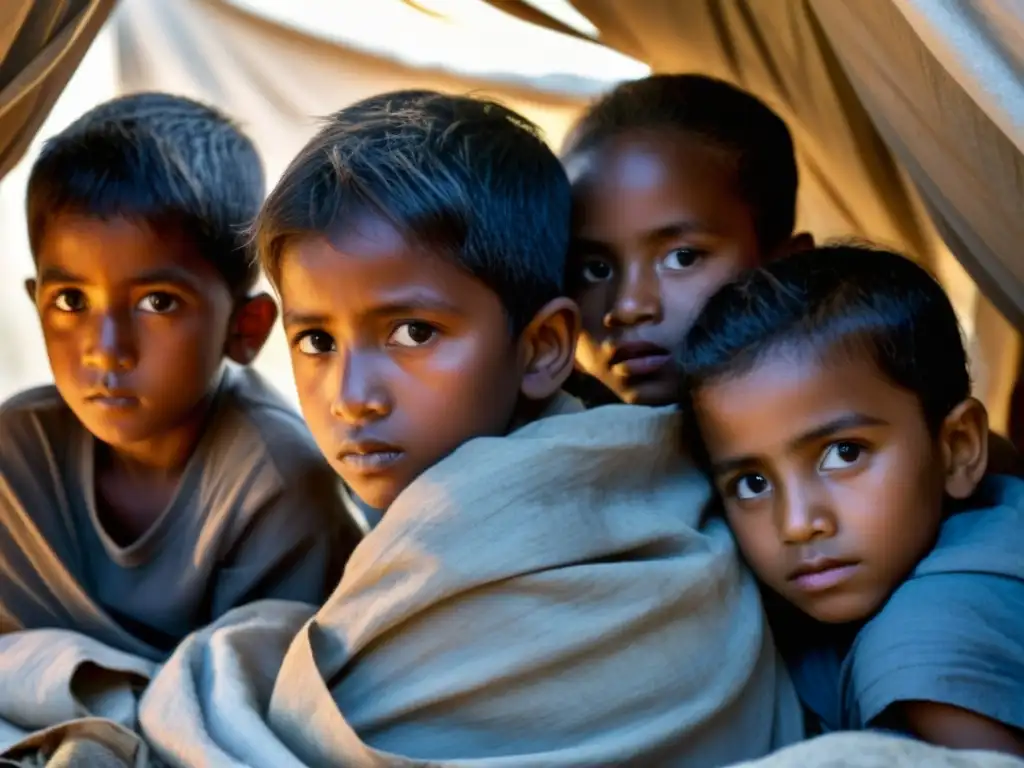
{"x":679,"y":182}
{"x":831,"y":392}
{"x":405,"y":290}
{"x":538,"y":590}
{"x":154,"y":486}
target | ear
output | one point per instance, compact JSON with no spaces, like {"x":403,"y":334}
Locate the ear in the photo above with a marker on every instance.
{"x":251,"y":324}
{"x":801,"y":241}
{"x":548,"y":348}
{"x":963,"y":439}
{"x":30,"y":289}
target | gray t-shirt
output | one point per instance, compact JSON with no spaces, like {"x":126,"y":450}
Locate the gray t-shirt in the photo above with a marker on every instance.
{"x":952,"y":633}
{"x":257,"y":514}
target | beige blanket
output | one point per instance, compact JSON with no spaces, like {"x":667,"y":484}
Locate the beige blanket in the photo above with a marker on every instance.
{"x":545,"y":599}
{"x":68,"y":700}
{"x":549,"y":599}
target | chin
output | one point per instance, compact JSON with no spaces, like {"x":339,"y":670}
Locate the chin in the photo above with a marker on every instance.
{"x":378,"y":496}
{"x":841,"y":609}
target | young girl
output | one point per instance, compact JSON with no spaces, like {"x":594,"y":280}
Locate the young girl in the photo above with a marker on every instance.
{"x":680,"y":182}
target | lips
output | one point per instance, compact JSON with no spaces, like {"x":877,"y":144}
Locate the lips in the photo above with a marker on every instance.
{"x":639,"y":358}
{"x":113,"y":398}
{"x":369,"y":456}
{"x":822,"y":573}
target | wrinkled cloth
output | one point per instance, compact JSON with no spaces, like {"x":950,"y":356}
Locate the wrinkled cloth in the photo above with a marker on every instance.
{"x":74,"y":705}
{"x":549,"y":598}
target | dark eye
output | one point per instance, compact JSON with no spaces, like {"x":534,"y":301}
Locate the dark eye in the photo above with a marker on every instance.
{"x":314,"y":343}
{"x":841,"y":455}
{"x":751,"y":486}
{"x":158,"y":303}
{"x":680,"y":258}
{"x":70,"y":300}
{"x":412,"y":334}
{"x":596,"y":270}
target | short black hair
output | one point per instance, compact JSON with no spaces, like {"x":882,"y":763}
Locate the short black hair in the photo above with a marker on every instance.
{"x":464,"y":177}
{"x":162,"y":159}
{"x":836,"y":299}
{"x":718,"y":113}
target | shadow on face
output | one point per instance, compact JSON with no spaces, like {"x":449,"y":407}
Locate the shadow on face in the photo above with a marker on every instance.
{"x":832,"y":482}
{"x":660,"y":225}
{"x":135,"y":323}
{"x":399,"y":355}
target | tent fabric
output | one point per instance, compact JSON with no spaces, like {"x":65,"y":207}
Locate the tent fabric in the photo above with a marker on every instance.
{"x":276,"y":82}
{"x":41,"y":45}
{"x":908,"y":117}
{"x":908,"y":114}
{"x":944,"y":83}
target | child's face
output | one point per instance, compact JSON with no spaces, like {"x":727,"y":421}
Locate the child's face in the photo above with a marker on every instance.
{"x":659,"y":227}
{"x":832,"y":483}
{"x":135,"y":324}
{"x":399,"y":355}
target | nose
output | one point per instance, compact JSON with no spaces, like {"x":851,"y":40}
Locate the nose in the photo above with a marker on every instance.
{"x":112,"y":344}
{"x":362,"y":393}
{"x":638,"y":298}
{"x":804,"y":514}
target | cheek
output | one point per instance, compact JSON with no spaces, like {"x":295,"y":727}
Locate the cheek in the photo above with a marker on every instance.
{"x":181,"y":354}
{"x":474,"y":373}
{"x":686,"y":295}
{"x":894,"y":518}
{"x":594,"y":301}
{"x":756,"y":537}
{"x":314,"y":377}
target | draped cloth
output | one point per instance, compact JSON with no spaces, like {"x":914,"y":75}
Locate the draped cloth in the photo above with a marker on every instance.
{"x":41,"y":45}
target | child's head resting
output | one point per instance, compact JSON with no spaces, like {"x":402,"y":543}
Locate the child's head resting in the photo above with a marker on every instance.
{"x":137,"y":215}
{"x":679,"y":183}
{"x":832,"y":397}
{"x":418,"y":245}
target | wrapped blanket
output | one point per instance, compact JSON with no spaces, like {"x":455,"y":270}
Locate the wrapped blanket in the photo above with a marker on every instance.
{"x":525,"y":646}
{"x":74,"y":706}
{"x":550,"y":598}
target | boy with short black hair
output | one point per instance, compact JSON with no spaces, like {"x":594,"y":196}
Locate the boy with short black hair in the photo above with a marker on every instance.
{"x":156,"y":485}
{"x":832,"y":398}
{"x":418,"y":244}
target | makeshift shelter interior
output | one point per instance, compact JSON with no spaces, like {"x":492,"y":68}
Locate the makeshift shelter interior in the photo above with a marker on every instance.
{"x":908,"y":114}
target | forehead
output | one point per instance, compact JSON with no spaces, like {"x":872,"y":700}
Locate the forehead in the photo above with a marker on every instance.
{"x":116,"y":250}
{"x":369,"y":264}
{"x":643,"y":181}
{"x":792,"y":393}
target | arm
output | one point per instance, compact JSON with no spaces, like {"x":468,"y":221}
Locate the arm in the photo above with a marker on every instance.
{"x":294,"y":548}
{"x":943,"y":660}
{"x":949,"y":726}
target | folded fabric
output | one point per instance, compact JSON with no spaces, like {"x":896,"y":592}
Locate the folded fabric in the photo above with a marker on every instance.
{"x":69,"y":700}
{"x":867,"y":749}
{"x":549,"y":598}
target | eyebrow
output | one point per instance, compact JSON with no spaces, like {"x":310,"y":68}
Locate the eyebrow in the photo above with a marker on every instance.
{"x":673,"y":230}
{"x":171,"y":275}
{"x":304,"y":318}
{"x":395,"y":309}
{"x":670,"y":231}
{"x":168,"y":275}
{"x":838,"y":424}
{"x":59,"y":275}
